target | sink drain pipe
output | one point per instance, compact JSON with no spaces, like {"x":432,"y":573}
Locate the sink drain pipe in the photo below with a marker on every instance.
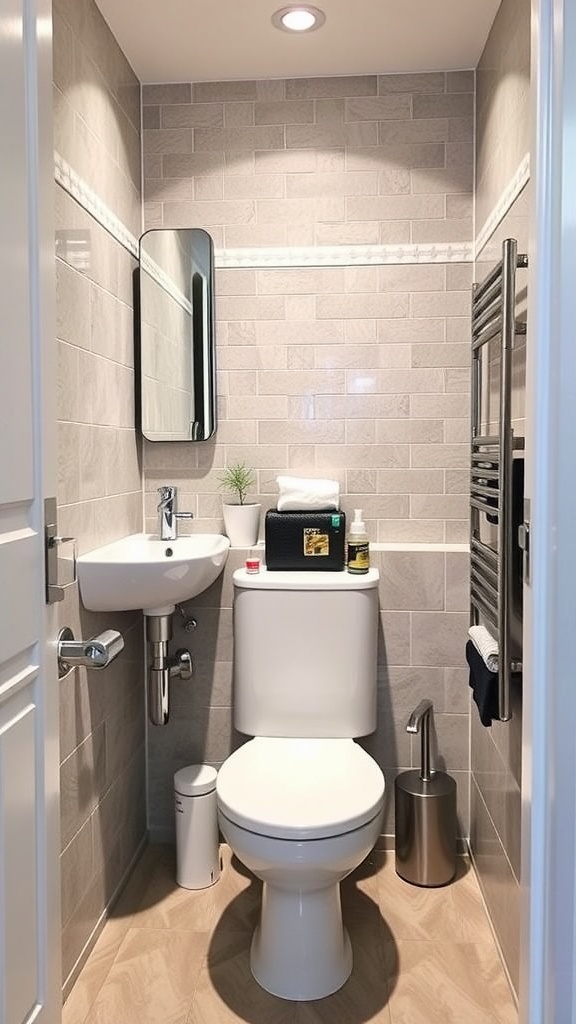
{"x":163,"y":667}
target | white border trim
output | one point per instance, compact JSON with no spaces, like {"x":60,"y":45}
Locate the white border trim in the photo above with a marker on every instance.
{"x":306,"y":256}
{"x":150,"y":267}
{"x":282,"y":256}
{"x":75,"y":186}
{"x":344,"y":255}
{"x":72,"y":183}
{"x":507,"y":198}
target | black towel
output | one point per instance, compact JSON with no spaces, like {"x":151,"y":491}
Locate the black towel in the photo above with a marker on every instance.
{"x":484,"y":684}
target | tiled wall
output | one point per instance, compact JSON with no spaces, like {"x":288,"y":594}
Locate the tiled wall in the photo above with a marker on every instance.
{"x":423,"y":619}
{"x":496,"y":753}
{"x":314,"y":380}
{"x":355,"y":372}
{"x":360,"y":372}
{"x":502,"y":104}
{"x":316,"y":161}
{"x":99,"y":492}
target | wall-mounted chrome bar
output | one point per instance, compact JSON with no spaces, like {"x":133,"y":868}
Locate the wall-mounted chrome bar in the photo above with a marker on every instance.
{"x":489,"y":439}
{"x":485,"y":573}
{"x":481,"y":289}
{"x":488,"y":325}
{"x":491,"y":579}
{"x":484,"y":553}
{"x":95,"y":653}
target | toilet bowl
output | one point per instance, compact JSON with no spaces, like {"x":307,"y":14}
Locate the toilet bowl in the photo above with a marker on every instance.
{"x":301,"y":813}
{"x":301,"y":802}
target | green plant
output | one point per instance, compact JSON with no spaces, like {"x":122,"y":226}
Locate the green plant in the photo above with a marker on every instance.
{"x":238,"y":479}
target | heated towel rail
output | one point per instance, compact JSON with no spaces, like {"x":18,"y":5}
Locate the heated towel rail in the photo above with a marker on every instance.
{"x":492,"y":455}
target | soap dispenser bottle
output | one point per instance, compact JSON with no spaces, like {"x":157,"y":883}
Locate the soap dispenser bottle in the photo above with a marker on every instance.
{"x":358,"y":548}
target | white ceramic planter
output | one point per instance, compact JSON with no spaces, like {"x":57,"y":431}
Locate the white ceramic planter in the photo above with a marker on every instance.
{"x":241,"y":523}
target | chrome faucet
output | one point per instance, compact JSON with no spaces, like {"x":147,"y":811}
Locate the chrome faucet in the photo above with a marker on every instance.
{"x":168,"y":516}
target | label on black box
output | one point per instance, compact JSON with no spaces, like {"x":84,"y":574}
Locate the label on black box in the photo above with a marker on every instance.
{"x":315,"y":542}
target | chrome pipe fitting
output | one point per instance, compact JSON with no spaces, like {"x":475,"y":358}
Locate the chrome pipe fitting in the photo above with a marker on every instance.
{"x":163,"y":667}
{"x":158,"y":680}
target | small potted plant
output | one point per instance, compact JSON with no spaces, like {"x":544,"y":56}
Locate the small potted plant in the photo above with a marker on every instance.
{"x":241,"y":518}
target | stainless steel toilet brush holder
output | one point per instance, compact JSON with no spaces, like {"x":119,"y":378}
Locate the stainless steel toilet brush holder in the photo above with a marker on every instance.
{"x":425,"y":815}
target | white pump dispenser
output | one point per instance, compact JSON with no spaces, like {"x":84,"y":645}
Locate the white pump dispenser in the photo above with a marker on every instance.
{"x":357,"y":527}
{"x":358,"y":548}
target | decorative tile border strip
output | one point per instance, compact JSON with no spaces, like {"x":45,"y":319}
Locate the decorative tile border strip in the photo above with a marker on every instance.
{"x":165,"y":282}
{"x":285,"y":256}
{"x":343,"y":255}
{"x":505,"y":201}
{"x":72,"y":183}
{"x":308,"y":256}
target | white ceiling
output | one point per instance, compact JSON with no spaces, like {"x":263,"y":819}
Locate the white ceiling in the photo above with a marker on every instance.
{"x":215,"y":40}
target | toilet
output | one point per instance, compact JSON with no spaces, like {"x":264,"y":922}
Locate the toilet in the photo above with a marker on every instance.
{"x":301,"y":803}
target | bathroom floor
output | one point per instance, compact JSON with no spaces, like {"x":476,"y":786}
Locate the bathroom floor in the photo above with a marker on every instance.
{"x":174,"y":956}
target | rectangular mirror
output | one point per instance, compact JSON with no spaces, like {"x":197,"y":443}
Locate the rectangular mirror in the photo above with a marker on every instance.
{"x":174,"y":308}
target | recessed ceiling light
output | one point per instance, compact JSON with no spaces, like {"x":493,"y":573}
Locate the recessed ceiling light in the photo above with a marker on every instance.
{"x":302,"y":18}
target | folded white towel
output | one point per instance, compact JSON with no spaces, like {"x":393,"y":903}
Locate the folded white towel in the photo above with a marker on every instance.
{"x":299,"y":494}
{"x":486,"y":646}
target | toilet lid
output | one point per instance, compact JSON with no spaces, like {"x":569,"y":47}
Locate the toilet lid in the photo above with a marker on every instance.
{"x":300,"y":788}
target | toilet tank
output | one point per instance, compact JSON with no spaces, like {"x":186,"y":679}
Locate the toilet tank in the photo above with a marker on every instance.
{"x":305,"y":652}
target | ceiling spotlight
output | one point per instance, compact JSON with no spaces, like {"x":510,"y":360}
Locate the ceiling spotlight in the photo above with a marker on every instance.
{"x":303,"y":18}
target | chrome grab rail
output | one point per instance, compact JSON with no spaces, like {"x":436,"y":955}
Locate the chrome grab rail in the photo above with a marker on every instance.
{"x":96,"y":653}
{"x":493,"y":316}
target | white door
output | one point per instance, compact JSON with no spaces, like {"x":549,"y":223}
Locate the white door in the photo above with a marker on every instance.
{"x":29,"y":796}
{"x":548,"y":982}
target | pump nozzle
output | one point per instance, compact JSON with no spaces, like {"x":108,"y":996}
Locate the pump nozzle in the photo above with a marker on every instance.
{"x":358,"y":525}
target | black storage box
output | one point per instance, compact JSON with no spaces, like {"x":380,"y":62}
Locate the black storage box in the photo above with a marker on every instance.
{"x":305,"y":540}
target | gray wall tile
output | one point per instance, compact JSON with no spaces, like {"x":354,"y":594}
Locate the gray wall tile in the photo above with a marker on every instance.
{"x":502,"y":135}
{"x":439,"y":638}
{"x":101,"y":715}
{"x":353,"y":374}
{"x":500,"y":888}
{"x":412,"y":580}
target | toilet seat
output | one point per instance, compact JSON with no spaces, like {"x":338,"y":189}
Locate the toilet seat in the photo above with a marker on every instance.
{"x":300,"y":789}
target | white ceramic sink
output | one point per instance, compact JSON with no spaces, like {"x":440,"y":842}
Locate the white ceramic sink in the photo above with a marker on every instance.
{"x":142,"y":571}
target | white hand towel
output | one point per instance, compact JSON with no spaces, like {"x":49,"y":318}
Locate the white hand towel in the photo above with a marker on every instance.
{"x":486,"y":646}
{"x":299,"y":494}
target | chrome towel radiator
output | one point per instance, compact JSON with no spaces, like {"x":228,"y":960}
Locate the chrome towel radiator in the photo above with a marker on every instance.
{"x":492,"y":455}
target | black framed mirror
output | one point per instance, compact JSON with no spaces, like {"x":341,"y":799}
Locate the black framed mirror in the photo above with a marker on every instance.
{"x":175,"y":344}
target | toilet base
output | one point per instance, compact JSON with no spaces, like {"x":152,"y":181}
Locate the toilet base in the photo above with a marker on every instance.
{"x":301,"y":949}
